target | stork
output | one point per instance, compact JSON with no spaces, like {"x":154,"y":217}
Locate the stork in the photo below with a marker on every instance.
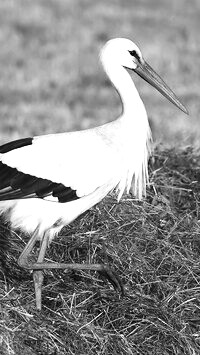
{"x":47,"y":181}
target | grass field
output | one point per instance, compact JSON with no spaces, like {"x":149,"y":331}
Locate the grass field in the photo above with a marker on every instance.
{"x":51,"y":81}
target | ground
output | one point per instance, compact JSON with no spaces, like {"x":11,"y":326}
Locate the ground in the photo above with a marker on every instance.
{"x":51,"y":81}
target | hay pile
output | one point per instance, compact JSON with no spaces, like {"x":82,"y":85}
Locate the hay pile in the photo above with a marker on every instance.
{"x":153,"y":245}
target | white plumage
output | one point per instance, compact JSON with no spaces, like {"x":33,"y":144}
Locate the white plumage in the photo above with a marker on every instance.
{"x":92,"y":162}
{"x":85,"y":165}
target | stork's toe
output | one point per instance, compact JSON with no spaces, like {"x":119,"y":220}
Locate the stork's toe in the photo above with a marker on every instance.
{"x":113,"y":278}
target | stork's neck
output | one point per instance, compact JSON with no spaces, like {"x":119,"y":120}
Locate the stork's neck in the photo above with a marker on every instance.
{"x":131,"y":101}
{"x":133,"y":131}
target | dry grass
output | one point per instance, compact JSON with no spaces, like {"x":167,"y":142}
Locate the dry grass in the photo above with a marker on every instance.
{"x":154,"y":247}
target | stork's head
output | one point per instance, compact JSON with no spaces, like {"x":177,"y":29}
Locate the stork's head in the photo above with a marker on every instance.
{"x":123,"y":52}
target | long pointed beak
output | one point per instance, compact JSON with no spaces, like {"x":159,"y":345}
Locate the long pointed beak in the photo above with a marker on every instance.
{"x":147,"y":73}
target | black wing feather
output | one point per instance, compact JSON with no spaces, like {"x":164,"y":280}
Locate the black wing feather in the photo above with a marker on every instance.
{"x":19,"y":143}
{"x":20,"y":185}
{"x":15,"y":184}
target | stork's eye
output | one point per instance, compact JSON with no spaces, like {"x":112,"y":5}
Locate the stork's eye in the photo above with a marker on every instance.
{"x":133,"y":53}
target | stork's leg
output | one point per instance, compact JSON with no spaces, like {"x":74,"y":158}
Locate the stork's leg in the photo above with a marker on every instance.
{"x":23,"y":259}
{"x":38,"y":274}
{"x":23,"y":262}
{"x":40,"y":265}
{"x":101,"y":268}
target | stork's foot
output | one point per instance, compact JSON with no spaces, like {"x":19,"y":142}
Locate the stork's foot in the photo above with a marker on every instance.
{"x":38,"y":281}
{"x":112,"y":278}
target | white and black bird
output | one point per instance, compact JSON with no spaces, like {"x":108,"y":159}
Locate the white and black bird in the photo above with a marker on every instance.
{"x":48,"y":181}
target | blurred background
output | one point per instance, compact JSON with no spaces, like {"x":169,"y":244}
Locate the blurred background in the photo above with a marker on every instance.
{"x":51,"y":79}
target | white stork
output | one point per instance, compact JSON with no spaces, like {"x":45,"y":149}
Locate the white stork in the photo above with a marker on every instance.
{"x":48,"y":181}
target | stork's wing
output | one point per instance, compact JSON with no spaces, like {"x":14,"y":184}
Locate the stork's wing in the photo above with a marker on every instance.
{"x":63,"y":166}
{"x":15,"y":185}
